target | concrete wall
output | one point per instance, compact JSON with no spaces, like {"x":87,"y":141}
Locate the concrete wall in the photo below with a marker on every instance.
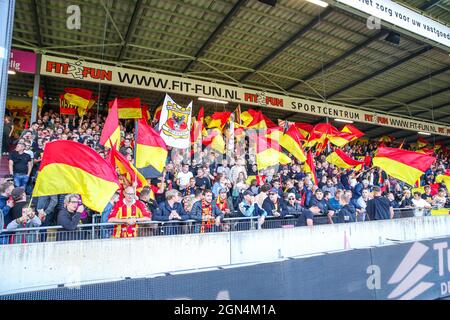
{"x":25,"y":267}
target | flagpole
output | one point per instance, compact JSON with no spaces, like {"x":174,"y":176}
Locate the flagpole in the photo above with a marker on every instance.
{"x":134,"y":152}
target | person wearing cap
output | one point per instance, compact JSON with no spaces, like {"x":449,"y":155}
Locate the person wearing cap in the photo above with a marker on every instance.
{"x":250,"y":208}
{"x":274,"y":205}
{"x":293,"y":205}
{"x":20,"y":166}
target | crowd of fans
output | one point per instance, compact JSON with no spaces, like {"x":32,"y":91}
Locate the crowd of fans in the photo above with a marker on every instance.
{"x":206,"y":189}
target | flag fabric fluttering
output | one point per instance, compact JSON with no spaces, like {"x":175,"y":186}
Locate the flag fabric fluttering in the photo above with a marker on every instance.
{"x":128,"y":108}
{"x":407,"y":166}
{"x":71,"y":167}
{"x":78,"y":97}
{"x":291,"y":141}
{"x":219,"y":120}
{"x":309,"y":167}
{"x":253,"y":119}
{"x":214,"y":139}
{"x":340,"y":159}
{"x":268,"y":153}
{"x":445,"y":178}
{"x":197,"y":129}
{"x":127,"y":169}
{"x":111,"y":130}
{"x":151,"y":151}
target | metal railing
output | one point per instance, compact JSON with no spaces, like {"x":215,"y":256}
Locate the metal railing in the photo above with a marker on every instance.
{"x":97,"y":230}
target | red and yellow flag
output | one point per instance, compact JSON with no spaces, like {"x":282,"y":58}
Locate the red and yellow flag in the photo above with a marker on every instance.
{"x":219,"y":120}
{"x":157,"y":114}
{"x":111,"y":130}
{"x":421,"y":142}
{"x":268,"y":153}
{"x":304,"y":128}
{"x":214,"y":139}
{"x":310,"y":167}
{"x":291,"y":141}
{"x":407,"y":166}
{"x":342,"y":160}
{"x":128,"y":108}
{"x":78,"y":96}
{"x":40,"y":96}
{"x":127,"y":170}
{"x":151,"y":151}
{"x":253,"y":119}
{"x":444,"y":178}
{"x":274,"y":133}
{"x":71,"y":167}
{"x":197,"y":126}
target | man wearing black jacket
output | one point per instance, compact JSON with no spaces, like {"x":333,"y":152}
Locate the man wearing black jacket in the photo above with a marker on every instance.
{"x":69,"y":218}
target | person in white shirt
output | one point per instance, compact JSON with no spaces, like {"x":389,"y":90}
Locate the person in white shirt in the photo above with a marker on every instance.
{"x":421,"y":205}
{"x":184,"y":176}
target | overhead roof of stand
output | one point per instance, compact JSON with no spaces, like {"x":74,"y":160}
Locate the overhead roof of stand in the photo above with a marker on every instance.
{"x":295,"y":47}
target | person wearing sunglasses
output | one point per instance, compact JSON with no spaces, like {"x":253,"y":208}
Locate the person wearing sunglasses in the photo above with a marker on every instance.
{"x":293,"y":206}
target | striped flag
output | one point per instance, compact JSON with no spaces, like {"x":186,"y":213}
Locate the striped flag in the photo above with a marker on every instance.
{"x":78,"y":97}
{"x":128,"y":108}
{"x":111,"y":130}
{"x":151,"y":151}
{"x":127,"y":170}
{"x":407,"y":166}
{"x":268,"y":153}
{"x":291,"y":141}
{"x":310,"y":167}
{"x":219,"y":120}
{"x":71,"y":167}
{"x":342,"y":160}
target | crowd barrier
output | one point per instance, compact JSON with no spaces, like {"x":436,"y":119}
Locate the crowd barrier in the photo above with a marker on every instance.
{"x":37,"y":266}
{"x":98,"y":230}
{"x":401,"y":271}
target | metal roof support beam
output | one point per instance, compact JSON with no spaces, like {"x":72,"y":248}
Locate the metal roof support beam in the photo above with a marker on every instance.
{"x":38,"y":36}
{"x":341,"y":58}
{"x":428,"y":5}
{"x":421,"y":98}
{"x":135,"y":17}
{"x":130,"y":30}
{"x":377,"y":73}
{"x":291,"y":40}
{"x":442,"y":106}
{"x":408,"y":84}
{"x":216,"y":32}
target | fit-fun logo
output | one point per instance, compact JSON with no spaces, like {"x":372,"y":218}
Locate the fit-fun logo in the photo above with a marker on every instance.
{"x":408,"y":277}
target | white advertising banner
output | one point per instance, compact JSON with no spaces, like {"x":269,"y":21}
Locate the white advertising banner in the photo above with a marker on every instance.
{"x":404,"y":18}
{"x":111,"y":75}
{"x":175,"y":124}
